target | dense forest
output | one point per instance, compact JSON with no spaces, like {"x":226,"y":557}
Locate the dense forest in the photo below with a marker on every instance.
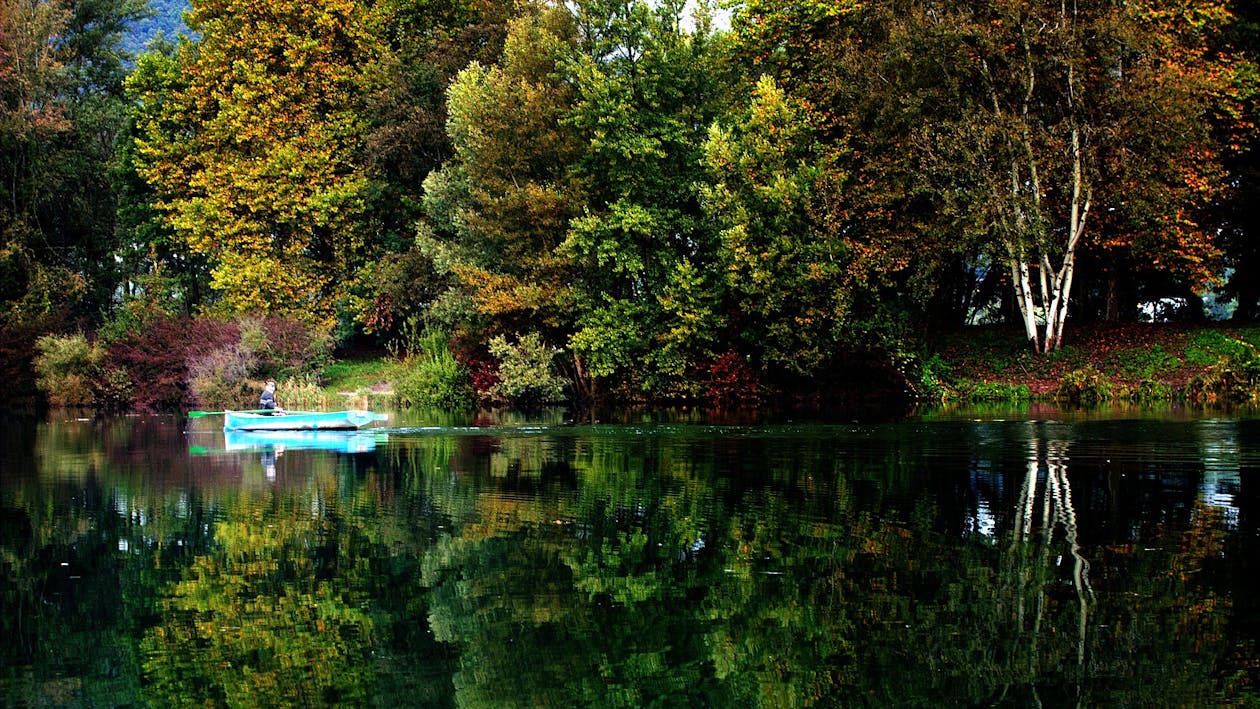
{"x":603,"y":198}
{"x":163,"y":21}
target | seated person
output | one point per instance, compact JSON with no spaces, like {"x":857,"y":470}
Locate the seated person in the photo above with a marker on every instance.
{"x":267,"y":401}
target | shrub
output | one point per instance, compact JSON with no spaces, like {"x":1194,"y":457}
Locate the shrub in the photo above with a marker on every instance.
{"x":1237,"y":378}
{"x":1151,"y":390}
{"x":290,"y":348}
{"x":114,"y":389}
{"x":149,"y":349}
{"x":432,"y":377}
{"x":732,"y":381}
{"x":931,"y":382}
{"x":526,"y":371}
{"x":220,"y":377}
{"x":64,"y":369}
{"x":475,"y":358}
{"x":1084,"y":386}
{"x":999,"y":391}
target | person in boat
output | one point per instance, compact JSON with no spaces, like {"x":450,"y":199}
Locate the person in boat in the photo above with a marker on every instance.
{"x":267,"y":401}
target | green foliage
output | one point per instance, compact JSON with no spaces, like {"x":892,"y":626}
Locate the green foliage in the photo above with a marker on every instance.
{"x":998,"y":391}
{"x":1209,"y":346}
{"x":609,"y":339}
{"x":764,"y":168}
{"x":252,"y":139}
{"x":386,"y":290}
{"x":502,"y":204}
{"x":1234,"y":378}
{"x":527,"y":371}
{"x":932,"y":380}
{"x":645,"y":95}
{"x":1151,"y":390}
{"x":65,"y":368}
{"x":1084,"y":386}
{"x":1145,"y":363}
{"x":61,"y":109}
{"x":431,"y":376}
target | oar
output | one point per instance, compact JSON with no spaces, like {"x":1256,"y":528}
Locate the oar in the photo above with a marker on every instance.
{"x":199,"y":414}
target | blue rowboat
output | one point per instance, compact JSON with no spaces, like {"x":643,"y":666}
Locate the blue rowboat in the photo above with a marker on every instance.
{"x":299,"y":420}
{"x":340,"y":441}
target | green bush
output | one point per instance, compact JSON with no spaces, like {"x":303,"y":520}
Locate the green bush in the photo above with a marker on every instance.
{"x":931,"y":382}
{"x":1084,"y":386}
{"x":526,"y":372}
{"x":114,"y":389}
{"x":999,"y":391}
{"x":64,"y":369}
{"x":431,"y":375}
{"x":1237,"y":378}
{"x":1149,"y":390}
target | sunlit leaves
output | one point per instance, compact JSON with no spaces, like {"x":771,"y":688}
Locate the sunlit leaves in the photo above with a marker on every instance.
{"x":254,"y":146}
{"x":781,"y":263}
{"x":506,"y":196}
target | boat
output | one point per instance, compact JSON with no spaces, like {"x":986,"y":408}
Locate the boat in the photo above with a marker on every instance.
{"x":299,"y":420}
{"x":341,"y":441}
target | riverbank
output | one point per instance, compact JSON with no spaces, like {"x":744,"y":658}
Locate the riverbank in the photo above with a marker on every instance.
{"x":1124,"y":362}
{"x":1104,"y":361}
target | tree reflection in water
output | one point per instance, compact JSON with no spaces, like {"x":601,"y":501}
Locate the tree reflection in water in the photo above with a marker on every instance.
{"x":1047,"y":472}
{"x":633,"y":566}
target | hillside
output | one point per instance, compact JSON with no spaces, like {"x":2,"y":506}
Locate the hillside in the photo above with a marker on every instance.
{"x":167,"y":20}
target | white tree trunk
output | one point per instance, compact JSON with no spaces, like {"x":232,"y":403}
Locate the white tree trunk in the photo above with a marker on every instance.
{"x":1054,"y":284}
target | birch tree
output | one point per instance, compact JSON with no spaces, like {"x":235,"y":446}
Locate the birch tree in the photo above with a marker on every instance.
{"x":1026,"y":131}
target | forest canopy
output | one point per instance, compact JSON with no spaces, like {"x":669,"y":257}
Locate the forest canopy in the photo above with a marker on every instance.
{"x":794,"y":197}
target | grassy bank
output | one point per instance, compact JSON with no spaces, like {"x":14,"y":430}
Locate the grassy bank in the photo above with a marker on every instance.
{"x":1120,"y":362}
{"x":1104,"y":362}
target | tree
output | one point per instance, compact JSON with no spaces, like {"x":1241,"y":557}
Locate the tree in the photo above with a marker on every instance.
{"x":502,"y":204}
{"x":764,"y":172}
{"x":1239,"y":213}
{"x":1022,"y":127}
{"x":254,"y":145}
{"x":646,"y":94}
{"x":61,"y":109}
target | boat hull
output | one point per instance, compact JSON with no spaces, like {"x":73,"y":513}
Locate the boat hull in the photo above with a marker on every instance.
{"x":300,"y":421}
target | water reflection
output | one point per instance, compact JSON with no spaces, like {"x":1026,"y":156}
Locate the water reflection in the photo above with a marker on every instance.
{"x":474,"y":560}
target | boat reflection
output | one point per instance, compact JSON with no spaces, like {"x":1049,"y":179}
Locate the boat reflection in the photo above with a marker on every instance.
{"x":340,"y":441}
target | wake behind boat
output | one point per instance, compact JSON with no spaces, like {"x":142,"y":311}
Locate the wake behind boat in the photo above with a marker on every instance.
{"x":299,"y":420}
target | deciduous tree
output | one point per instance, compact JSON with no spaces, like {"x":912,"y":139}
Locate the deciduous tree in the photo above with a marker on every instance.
{"x":255,"y":148}
{"x":1029,"y":128}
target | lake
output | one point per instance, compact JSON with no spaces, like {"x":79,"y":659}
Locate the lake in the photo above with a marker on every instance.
{"x":981,"y":557}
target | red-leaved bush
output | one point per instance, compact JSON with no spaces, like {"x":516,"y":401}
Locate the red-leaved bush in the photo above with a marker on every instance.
{"x":155,"y":359}
{"x":732,"y":381}
{"x":475,"y":358}
{"x":294,"y":346}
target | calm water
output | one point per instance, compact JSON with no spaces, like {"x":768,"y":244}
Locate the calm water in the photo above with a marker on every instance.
{"x":1014,"y":559}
